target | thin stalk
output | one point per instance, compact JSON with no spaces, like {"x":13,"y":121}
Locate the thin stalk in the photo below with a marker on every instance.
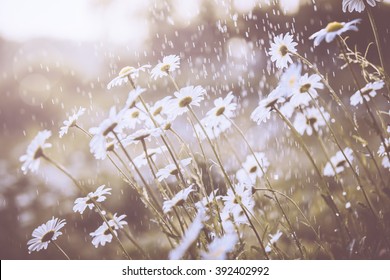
{"x":60,"y":249}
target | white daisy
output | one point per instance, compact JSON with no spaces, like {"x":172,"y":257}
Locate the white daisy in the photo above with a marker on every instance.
{"x":124,"y":74}
{"x":220,"y":247}
{"x":274,"y":238}
{"x":213,"y":127}
{"x":332,"y":30}
{"x":358,"y":5}
{"x":132,"y":117}
{"x":187,"y":96}
{"x":223,"y":108}
{"x":141,"y":135}
{"x":171,"y":169}
{"x":31,"y":159}
{"x":289,"y":81}
{"x":266,"y":105}
{"x":367,"y":92}
{"x":250,"y":170}
{"x":339,"y":162}
{"x":178,"y":199}
{"x":98,"y":143}
{"x":99,"y":195}
{"x":208,"y":200}
{"x":310,"y":120}
{"x":141,"y":160}
{"x":281,"y":49}
{"x":103,"y":235}
{"x":190,"y":236}
{"x":384,"y":148}
{"x":306,"y":85}
{"x":243,"y":195}
{"x":169,"y":64}
{"x":71,"y":121}
{"x":133,"y":96}
{"x":45,"y":233}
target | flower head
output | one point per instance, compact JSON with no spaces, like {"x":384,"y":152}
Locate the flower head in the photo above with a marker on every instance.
{"x":251,"y":170}
{"x":31,"y":159}
{"x":103,"y":235}
{"x":124,"y":74}
{"x":266,"y":105}
{"x":45,"y":233}
{"x":99,"y":195}
{"x":133,"y":96}
{"x":141,"y":160}
{"x":306,"y":89}
{"x":71,"y":121}
{"x":310,"y":120}
{"x":367,"y":92}
{"x":338,"y":163}
{"x":332,"y":30}
{"x":274,"y":238}
{"x":220,"y":246}
{"x":242,"y":196}
{"x":358,"y":5}
{"x":169,"y":64}
{"x":187,"y":96}
{"x":281,"y":49}
{"x":178,"y":199}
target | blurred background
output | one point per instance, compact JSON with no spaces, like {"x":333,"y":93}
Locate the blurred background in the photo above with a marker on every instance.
{"x":58,"y":55}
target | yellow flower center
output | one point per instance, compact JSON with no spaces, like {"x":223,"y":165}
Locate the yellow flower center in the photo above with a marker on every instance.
{"x":48,"y":236}
{"x":220,"y":111}
{"x":253,"y":169}
{"x":165,"y":68}
{"x":305,"y":88}
{"x":135,"y":114}
{"x":334,"y":26}
{"x":125,"y":71}
{"x":157,"y":111}
{"x":283,"y":50}
{"x":109,"y":129}
{"x":185,"y":101}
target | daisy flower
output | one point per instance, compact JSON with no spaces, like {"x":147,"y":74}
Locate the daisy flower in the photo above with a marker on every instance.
{"x":220,"y":247}
{"x":250,"y":170}
{"x":310,"y":120}
{"x":133,"y":96}
{"x":188,"y":96}
{"x":223,"y":108}
{"x":124,"y":74}
{"x":263,"y":110}
{"x":98,"y":143}
{"x":332,"y":30}
{"x":178,"y":199}
{"x":99,"y":195}
{"x":189,"y":237}
{"x":243,"y":195}
{"x":214,"y":127}
{"x":382,"y":152}
{"x":281,"y":49}
{"x":132,"y":117}
{"x":274,"y":238}
{"x":338,"y":162}
{"x":169,"y":64}
{"x":306,"y":85}
{"x":71,"y":121}
{"x":358,"y":5}
{"x":367,"y":92}
{"x":208,"y":200}
{"x":141,"y":160}
{"x":141,"y":135}
{"x":103,"y":235}
{"x":31,"y":159}
{"x":290,"y":78}
{"x":171,"y":169}
{"x":45,"y":233}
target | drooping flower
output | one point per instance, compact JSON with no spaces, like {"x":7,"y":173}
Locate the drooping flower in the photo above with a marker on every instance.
{"x":220,"y":247}
{"x":310,"y":120}
{"x":44,"y":234}
{"x":332,"y":30}
{"x":338,"y":163}
{"x":281,"y":50}
{"x":103,"y":235}
{"x":31,"y":159}
{"x":358,"y":5}
{"x":187,"y":96}
{"x":306,"y":90}
{"x":266,"y":105}
{"x":99,"y":195}
{"x":190,"y":236}
{"x":141,"y":160}
{"x":178,"y":199}
{"x":71,"y":121}
{"x":274,"y":238}
{"x":133,"y":97}
{"x":250,"y":170}
{"x":124,"y":74}
{"x":368,"y":91}
{"x":169,"y":64}
{"x":141,"y":135}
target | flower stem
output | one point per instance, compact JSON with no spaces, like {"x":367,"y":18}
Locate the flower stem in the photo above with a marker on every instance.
{"x":60,"y":249}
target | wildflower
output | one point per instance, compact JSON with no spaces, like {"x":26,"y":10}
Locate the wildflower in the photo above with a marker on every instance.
{"x":274,"y":238}
{"x":241,"y":197}
{"x":251,"y":170}
{"x":281,"y":49}
{"x":213,"y":127}
{"x":31,"y":159}
{"x":357,"y":5}
{"x":124,"y":75}
{"x":171,"y":169}
{"x":98,"y":144}
{"x":178,"y":199}
{"x":208,"y":200}
{"x":310,"y":120}
{"x":367,"y":91}
{"x":133,"y":96}
{"x":82,"y":203}
{"x":103,"y":235}
{"x":332,"y":30}
{"x":219,"y":247}
{"x":132,"y":117}
{"x":169,"y":64}
{"x":45,"y":233}
{"x":384,"y":148}
{"x":263,"y":110}
{"x":141,"y":160}
{"x":71,"y":121}
{"x":141,"y":135}
{"x":189,"y":237}
{"x":290,"y":78}
{"x":223,"y":108}
{"x":188,"y":96}
{"x":338,"y":162}
{"x":306,"y":90}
